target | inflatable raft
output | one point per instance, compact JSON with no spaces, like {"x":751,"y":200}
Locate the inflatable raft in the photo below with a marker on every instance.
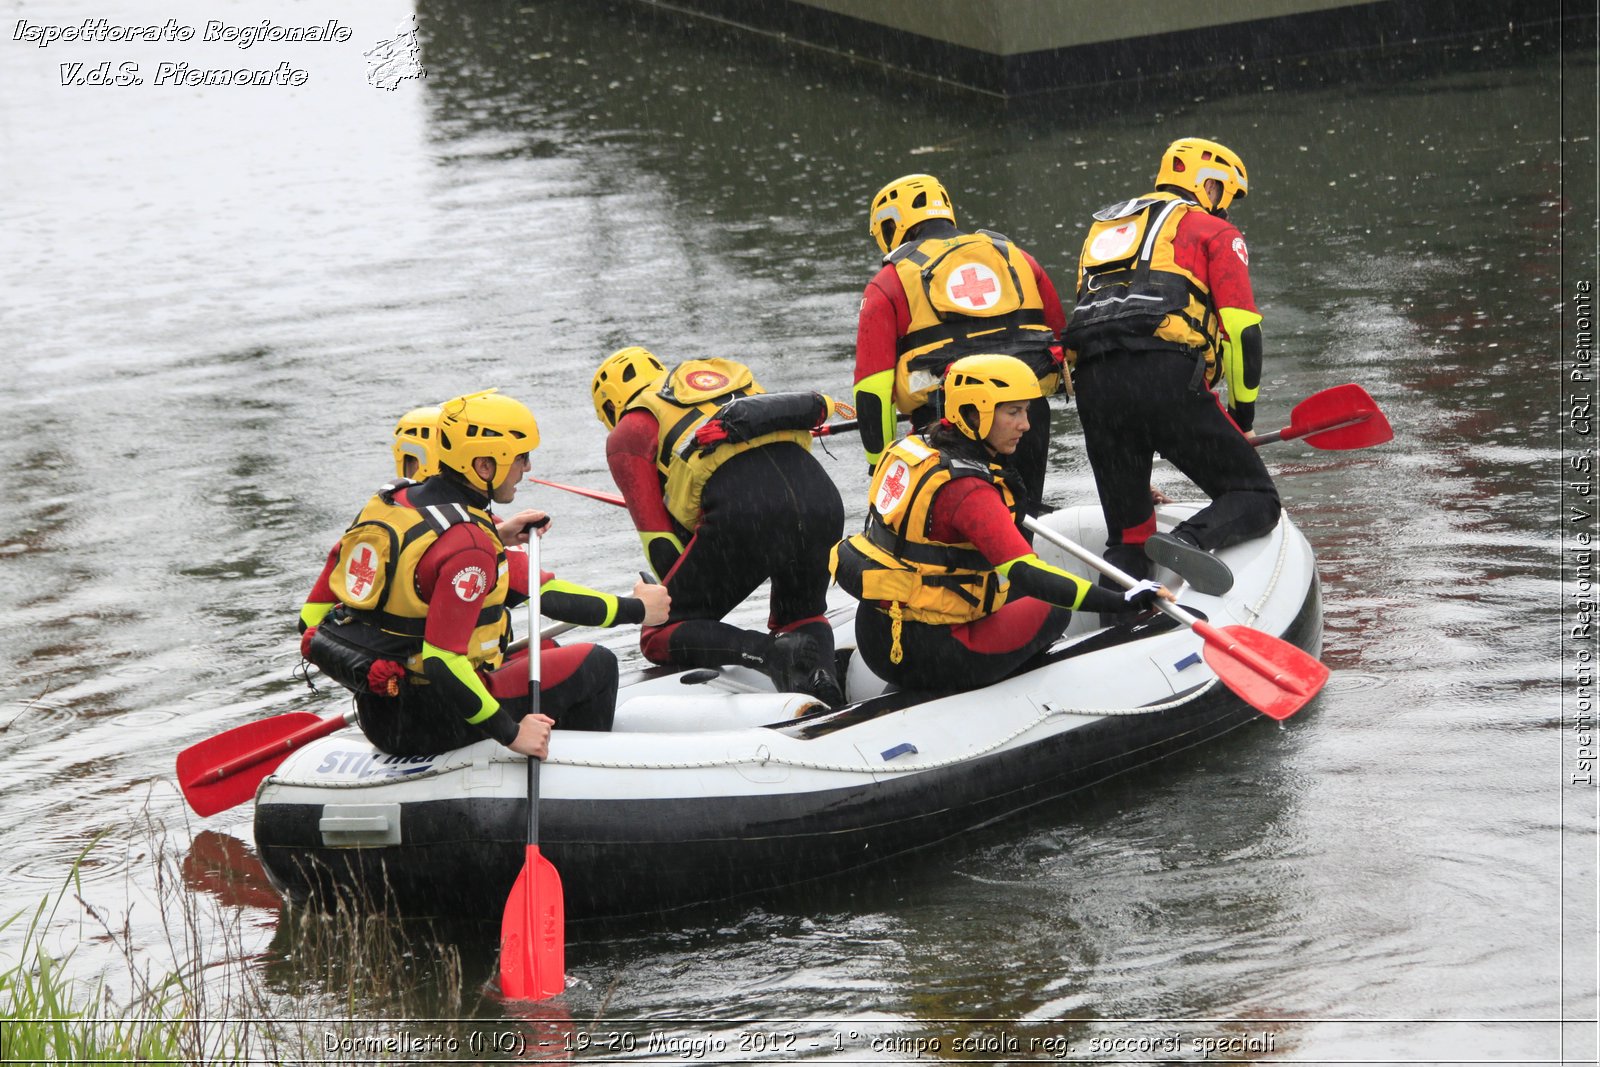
{"x":712,"y":785}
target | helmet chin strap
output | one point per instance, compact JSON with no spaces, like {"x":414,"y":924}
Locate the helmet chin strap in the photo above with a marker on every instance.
{"x":490,"y":484}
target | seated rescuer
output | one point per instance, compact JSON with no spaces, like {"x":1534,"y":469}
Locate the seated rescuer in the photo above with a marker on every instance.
{"x":721,"y":484}
{"x":1164,"y":312}
{"x":416,"y":457}
{"x":416,"y":444}
{"x":411,"y":609}
{"x":942,"y":294}
{"x":952,"y":595}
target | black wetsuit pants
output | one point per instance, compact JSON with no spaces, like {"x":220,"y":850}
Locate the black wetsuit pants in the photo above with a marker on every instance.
{"x":577,"y":688}
{"x":768,"y":513}
{"x":1133,"y":405}
{"x":959,"y":657}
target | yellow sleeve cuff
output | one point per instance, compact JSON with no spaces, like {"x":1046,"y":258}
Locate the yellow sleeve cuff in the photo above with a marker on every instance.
{"x":312,"y":613}
{"x":1235,"y":321}
{"x":1032,"y":560}
{"x":558,"y":585}
{"x":881,"y":386}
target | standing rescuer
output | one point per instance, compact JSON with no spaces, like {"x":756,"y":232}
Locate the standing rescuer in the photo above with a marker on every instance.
{"x":957,"y":597}
{"x":1165,"y":312}
{"x":410,"y":611}
{"x":942,"y":294}
{"x":720,"y":482}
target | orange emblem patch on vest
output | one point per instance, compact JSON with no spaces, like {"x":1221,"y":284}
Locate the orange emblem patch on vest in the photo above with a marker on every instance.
{"x":706,"y":380}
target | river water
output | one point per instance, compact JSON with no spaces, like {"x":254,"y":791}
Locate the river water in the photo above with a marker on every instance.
{"x":218,"y":300}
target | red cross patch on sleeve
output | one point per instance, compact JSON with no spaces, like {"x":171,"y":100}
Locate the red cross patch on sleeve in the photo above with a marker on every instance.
{"x":470,"y":584}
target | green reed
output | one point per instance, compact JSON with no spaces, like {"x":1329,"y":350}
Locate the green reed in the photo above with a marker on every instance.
{"x":348,"y":970}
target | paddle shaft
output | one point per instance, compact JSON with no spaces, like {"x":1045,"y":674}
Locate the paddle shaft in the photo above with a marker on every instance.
{"x":283,"y":745}
{"x":535,"y":582}
{"x":593,"y":494}
{"x":1110,"y":570}
{"x":548,"y":632}
{"x":1207,"y":632}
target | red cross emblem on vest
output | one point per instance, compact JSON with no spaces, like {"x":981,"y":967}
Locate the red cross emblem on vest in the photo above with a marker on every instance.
{"x":893,"y":486}
{"x":362,"y":571}
{"x":974,"y":286}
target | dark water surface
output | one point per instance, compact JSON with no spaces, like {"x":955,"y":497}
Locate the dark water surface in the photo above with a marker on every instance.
{"x":219,"y":299}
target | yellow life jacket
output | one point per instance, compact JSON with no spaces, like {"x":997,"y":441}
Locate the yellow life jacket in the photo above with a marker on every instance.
{"x":691,"y":394}
{"x":375,"y":581}
{"x":895,"y":565}
{"x":970,"y":293}
{"x":1132,"y":294}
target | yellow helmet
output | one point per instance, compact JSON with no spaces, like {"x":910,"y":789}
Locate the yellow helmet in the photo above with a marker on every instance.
{"x":984,"y":383}
{"x":1189,"y":162}
{"x":486,"y":424}
{"x":623,"y":375}
{"x":902,"y":204}
{"x":416,"y":438}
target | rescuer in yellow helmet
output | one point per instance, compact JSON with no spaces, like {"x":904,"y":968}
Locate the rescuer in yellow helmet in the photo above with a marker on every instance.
{"x":411,"y":609}
{"x":416,"y":444}
{"x":1164,"y":313}
{"x":953,"y":596}
{"x":941,"y":294}
{"x":720,"y":482}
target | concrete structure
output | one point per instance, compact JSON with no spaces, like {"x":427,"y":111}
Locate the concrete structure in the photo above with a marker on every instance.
{"x":1016,"y":48}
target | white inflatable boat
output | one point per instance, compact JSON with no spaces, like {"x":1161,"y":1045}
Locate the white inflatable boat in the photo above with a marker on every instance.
{"x":711,"y":785}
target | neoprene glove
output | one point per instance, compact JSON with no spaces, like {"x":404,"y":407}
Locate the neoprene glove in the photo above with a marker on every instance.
{"x":1141,"y":597}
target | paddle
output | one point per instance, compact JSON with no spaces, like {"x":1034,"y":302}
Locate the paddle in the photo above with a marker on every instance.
{"x":223,"y":771}
{"x":1268,"y":673}
{"x":828,"y":429}
{"x":532,"y":929}
{"x":592,"y":494}
{"x":1337,"y":419}
{"x":549,"y":631}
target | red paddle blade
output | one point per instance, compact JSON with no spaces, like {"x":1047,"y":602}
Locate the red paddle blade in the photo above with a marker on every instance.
{"x":204,"y":775}
{"x":533,"y":962}
{"x":1339,"y":419}
{"x":1270,"y":674}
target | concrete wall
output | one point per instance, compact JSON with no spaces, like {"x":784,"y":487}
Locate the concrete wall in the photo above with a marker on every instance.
{"x":1012,"y":49}
{"x":1014,"y":27}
